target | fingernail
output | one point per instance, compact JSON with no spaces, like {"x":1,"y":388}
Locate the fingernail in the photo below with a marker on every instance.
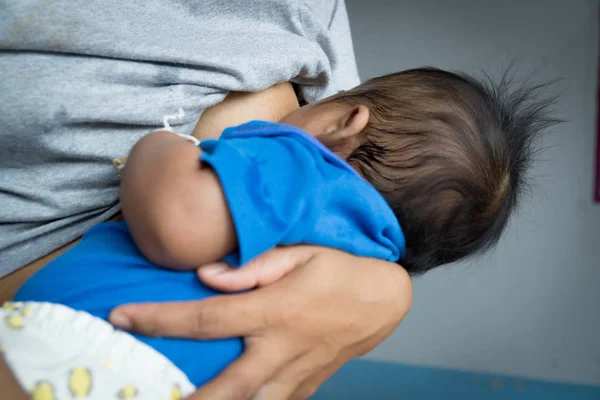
{"x":215,"y":269}
{"x":120,"y":321}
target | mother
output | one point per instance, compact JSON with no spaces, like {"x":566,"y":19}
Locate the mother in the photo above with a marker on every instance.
{"x":83,"y":81}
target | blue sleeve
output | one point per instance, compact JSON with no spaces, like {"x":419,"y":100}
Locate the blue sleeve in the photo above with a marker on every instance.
{"x":282,"y":191}
{"x":267,"y":182}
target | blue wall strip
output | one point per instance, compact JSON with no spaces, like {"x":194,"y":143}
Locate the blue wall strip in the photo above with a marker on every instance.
{"x":366,"y":380}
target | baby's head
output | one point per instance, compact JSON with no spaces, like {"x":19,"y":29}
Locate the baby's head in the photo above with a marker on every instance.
{"x":447,"y":152}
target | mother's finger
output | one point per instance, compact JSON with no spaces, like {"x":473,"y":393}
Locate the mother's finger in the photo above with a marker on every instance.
{"x":216,"y":317}
{"x":242,"y":379}
{"x":261,"y":271}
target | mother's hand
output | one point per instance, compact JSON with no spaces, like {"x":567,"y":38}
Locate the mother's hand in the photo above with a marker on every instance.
{"x":330,"y":308}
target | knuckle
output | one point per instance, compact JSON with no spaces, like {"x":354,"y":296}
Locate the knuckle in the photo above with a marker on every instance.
{"x":284,"y":314}
{"x":144,"y":321}
{"x":203,"y":319}
{"x":147,"y":328}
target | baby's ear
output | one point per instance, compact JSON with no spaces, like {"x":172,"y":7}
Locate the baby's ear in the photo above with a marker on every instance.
{"x":343,"y":136}
{"x":355,"y":120}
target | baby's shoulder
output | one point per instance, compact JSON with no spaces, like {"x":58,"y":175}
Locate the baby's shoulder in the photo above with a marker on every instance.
{"x":271,"y":138}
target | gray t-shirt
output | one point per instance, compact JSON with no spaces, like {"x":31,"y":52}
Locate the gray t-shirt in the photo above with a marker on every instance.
{"x":82,"y":81}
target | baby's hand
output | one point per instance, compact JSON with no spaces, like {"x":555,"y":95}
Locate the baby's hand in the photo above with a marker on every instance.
{"x":261,"y":271}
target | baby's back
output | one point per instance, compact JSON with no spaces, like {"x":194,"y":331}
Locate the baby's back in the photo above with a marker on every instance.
{"x":107,"y":270}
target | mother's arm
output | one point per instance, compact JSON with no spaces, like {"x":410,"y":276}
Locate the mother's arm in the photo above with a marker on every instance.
{"x":13,"y":281}
{"x":330,"y":308}
{"x":10,"y":388}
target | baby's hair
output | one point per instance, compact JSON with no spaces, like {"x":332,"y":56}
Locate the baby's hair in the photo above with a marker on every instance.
{"x":450,"y":154}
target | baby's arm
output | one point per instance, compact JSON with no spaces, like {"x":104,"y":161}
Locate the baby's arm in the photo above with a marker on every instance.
{"x":174,"y":205}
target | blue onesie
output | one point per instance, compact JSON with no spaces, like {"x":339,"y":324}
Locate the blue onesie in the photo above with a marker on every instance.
{"x":282,"y":186}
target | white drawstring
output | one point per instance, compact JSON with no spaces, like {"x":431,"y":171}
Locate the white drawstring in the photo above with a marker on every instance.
{"x":173,"y":117}
{"x":119,"y":163}
{"x":176,"y":117}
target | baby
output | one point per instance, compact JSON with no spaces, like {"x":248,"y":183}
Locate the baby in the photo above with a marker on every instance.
{"x":421,"y":167}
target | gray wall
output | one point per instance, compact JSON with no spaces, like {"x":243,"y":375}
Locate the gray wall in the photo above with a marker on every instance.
{"x":531,"y":308}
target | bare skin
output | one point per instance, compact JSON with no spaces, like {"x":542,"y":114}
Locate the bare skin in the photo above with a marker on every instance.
{"x":9,"y":385}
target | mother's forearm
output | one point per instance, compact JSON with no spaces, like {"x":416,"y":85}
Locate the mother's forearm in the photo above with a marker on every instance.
{"x":10,"y":284}
{"x":389,"y":288}
{"x":10,"y":388}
